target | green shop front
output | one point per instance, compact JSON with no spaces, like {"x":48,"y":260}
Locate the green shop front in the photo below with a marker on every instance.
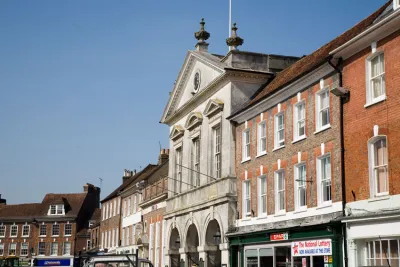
{"x":308,"y":246}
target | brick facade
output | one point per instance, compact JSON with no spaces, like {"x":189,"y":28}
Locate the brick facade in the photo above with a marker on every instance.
{"x":359,"y":121}
{"x":110,"y":223}
{"x":309,"y":148}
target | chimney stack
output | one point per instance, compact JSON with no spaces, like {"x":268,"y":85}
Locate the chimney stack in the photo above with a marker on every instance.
{"x":127,"y":174}
{"x":202,"y":35}
{"x":163,"y":157}
{"x":3,"y":201}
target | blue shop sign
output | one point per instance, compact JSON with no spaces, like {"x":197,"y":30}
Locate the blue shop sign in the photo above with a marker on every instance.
{"x":54,"y":262}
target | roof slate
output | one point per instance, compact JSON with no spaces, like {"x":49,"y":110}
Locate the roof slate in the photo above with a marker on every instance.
{"x":315,"y":59}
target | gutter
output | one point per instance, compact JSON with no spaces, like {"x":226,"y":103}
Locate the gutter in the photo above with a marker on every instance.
{"x":342,"y":160}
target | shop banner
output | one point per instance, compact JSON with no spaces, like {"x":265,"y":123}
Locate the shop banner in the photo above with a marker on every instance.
{"x":312,"y":248}
{"x":279,"y":236}
{"x":54,"y":262}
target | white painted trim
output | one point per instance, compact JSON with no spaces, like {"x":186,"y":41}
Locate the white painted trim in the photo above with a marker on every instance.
{"x":292,"y":215}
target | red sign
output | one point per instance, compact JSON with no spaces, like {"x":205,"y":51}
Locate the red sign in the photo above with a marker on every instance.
{"x":279,"y":236}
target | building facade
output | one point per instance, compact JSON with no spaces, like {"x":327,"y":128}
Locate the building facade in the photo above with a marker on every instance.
{"x":48,"y":231}
{"x":201,"y":204}
{"x":371,"y":73}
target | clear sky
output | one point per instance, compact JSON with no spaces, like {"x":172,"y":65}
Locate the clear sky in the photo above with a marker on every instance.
{"x":83,"y":84}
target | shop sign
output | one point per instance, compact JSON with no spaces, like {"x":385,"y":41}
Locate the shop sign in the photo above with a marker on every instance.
{"x":279,"y":236}
{"x":312,"y":248}
{"x":55,"y":262}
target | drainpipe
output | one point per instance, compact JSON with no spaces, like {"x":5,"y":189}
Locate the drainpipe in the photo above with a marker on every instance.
{"x":342,"y":99}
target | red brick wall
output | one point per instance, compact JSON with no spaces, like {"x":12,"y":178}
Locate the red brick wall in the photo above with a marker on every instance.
{"x":113,"y":222}
{"x":154,"y":217}
{"x":19,"y":239}
{"x":309,"y":148}
{"x":359,"y":120}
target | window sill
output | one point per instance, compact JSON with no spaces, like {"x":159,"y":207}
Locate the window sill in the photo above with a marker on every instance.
{"x":263,"y":216}
{"x":299,"y":139}
{"x":300,"y":210}
{"x":379,"y":198}
{"x":261,"y":154}
{"x":13,"y":236}
{"x":277,"y":148}
{"x":245,"y":160}
{"x":375,"y":102}
{"x":324,"y":205}
{"x":323,"y":129}
{"x":280,"y":213}
{"x":67,"y":235}
{"x":25,"y":236}
{"x":55,"y":236}
{"x":246,"y":219}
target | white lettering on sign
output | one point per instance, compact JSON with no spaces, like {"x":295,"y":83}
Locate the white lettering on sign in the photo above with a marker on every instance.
{"x":312,"y":248}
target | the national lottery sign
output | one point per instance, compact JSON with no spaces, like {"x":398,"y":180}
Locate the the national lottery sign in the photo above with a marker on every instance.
{"x":312,"y":247}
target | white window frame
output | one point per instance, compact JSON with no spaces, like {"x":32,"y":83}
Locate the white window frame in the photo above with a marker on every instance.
{"x":14,"y":245}
{"x":52,"y":230}
{"x":69,"y":229}
{"x":246,"y":145}
{"x":44,"y":226}
{"x":127,"y":235}
{"x":300,"y":182}
{"x":369,"y":92}
{"x":129,"y":200}
{"x":157,"y":245}
{"x":371,"y":165}
{"x":3,"y":230}
{"x":1,"y":249}
{"x":134,"y":203}
{"x":24,"y":251}
{"x":246,"y":202}
{"x":319,"y":110}
{"x":54,"y":248}
{"x":55,"y":210}
{"x":321,"y":179}
{"x":279,"y":191}
{"x":298,"y":121}
{"x":178,"y":170}
{"x":217,"y":144}
{"x":13,"y":228}
{"x":262,"y":196}
{"x":196,"y":162}
{"x":261,"y":138}
{"x":65,"y":252}
{"x":24,"y":227}
{"x":119,"y":205}
{"x":39,"y":248}
{"x":278,"y":143}
{"x":371,"y":249}
{"x":151,"y":245}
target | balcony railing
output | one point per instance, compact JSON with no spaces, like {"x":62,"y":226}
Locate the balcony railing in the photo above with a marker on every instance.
{"x":155,"y":189}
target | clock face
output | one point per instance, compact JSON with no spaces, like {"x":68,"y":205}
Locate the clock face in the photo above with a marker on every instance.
{"x":196,"y":81}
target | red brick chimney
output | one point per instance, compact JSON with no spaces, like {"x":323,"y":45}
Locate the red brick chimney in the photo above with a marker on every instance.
{"x":163,"y":157}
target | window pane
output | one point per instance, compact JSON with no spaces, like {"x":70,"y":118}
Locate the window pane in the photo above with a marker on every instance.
{"x":302,"y":196}
{"x":325,"y":117}
{"x":378,"y":250}
{"x":263,"y":185}
{"x":251,"y":258}
{"x":281,"y":181}
{"x":394,"y":250}
{"x":381,"y":152}
{"x":282,"y":200}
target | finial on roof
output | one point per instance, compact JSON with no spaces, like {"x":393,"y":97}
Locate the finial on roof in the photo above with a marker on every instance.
{"x":234,"y":41}
{"x":202,"y":35}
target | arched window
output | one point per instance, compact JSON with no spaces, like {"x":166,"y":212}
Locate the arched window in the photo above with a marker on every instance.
{"x":378,"y":166}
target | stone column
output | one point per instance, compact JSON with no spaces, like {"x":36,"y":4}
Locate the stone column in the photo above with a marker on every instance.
{"x":224,"y":247}
{"x":184,"y":256}
{"x":203,"y":254}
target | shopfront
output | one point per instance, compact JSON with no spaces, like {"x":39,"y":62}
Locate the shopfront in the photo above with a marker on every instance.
{"x":319,"y":246}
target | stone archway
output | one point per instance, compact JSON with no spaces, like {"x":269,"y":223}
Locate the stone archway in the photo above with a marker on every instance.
{"x":174,"y":245}
{"x":192,"y":242}
{"x":213,"y":239}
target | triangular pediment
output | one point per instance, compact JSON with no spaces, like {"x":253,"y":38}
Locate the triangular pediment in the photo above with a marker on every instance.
{"x":177,"y":131}
{"x":197,"y":73}
{"x":213,"y":106}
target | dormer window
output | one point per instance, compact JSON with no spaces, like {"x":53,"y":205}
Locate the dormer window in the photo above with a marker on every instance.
{"x":56,"y":210}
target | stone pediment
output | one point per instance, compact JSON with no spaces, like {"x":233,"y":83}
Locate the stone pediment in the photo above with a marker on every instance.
{"x":177,"y":131}
{"x":198,"y":72}
{"x":213,"y":106}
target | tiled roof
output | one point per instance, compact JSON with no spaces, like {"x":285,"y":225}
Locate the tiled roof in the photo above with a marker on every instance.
{"x":72,"y":202}
{"x":127,"y":182}
{"x":20,"y":210}
{"x":315,"y":59}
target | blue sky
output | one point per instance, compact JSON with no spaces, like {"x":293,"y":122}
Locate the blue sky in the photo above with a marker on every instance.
{"x":83,"y":84}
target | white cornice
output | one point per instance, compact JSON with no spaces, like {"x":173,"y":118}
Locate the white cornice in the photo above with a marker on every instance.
{"x":284,"y":93}
{"x":376,"y":32}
